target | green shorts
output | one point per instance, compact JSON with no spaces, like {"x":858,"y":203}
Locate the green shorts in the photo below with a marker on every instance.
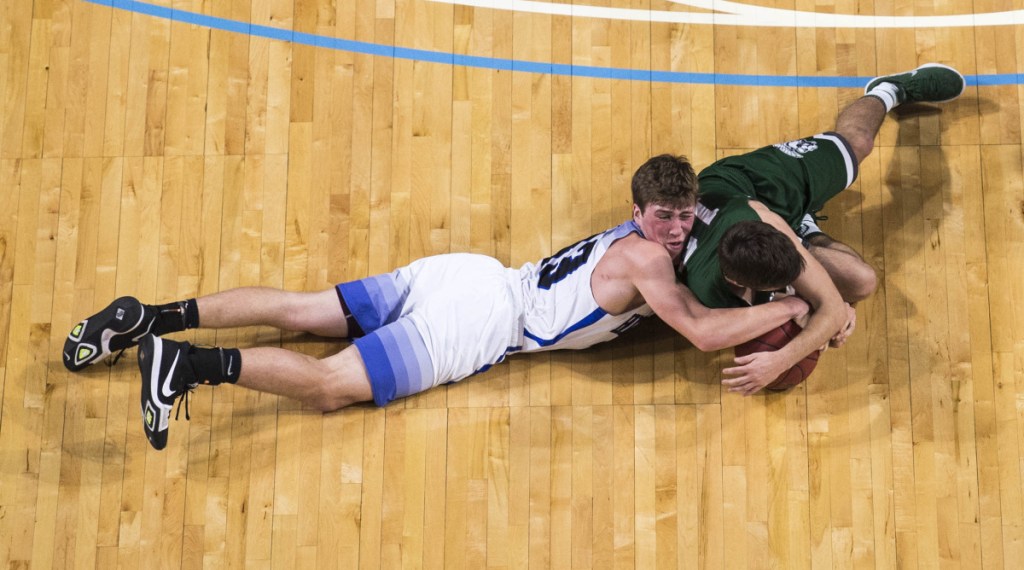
{"x":792,"y":178}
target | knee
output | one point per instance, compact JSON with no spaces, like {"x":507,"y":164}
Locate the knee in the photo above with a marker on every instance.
{"x":294,"y":312}
{"x":343,"y":382}
{"x":304,"y":312}
{"x":862,"y":284}
{"x":314,"y":313}
{"x":331,"y":397}
{"x":862,"y":142}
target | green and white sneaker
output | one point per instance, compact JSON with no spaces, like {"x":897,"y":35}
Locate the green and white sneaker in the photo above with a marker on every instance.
{"x":930,"y":83}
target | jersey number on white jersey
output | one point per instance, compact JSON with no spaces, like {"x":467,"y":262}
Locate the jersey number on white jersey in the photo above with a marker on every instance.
{"x":560,"y":265}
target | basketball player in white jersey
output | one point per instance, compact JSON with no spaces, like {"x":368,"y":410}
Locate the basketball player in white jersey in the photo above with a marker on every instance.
{"x":437,"y":320}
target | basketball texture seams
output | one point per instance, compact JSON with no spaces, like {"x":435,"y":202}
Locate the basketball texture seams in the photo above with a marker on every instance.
{"x":774,"y":340}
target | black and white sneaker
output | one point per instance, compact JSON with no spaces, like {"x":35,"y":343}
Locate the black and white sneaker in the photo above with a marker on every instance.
{"x":116,"y":328}
{"x":167,"y":375}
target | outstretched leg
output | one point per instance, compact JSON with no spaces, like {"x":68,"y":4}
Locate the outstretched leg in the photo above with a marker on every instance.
{"x":859,"y":124}
{"x":125,"y":321}
{"x":318,"y":313}
{"x":853,"y":277}
{"x":326,"y":384}
{"x":171,"y":370}
{"x":929,"y":83}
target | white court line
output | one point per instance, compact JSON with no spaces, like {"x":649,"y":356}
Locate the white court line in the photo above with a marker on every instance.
{"x":737,"y":14}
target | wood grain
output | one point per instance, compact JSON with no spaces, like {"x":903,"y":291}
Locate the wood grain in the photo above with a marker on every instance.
{"x":166,"y":160}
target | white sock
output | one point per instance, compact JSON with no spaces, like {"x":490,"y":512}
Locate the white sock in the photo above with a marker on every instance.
{"x":808,"y":226}
{"x":888,"y":93}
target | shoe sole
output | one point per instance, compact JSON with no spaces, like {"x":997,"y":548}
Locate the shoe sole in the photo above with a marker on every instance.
{"x":963,"y":81}
{"x":82,"y":348}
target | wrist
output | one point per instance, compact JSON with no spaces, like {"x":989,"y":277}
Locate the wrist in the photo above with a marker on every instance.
{"x":797,"y":307}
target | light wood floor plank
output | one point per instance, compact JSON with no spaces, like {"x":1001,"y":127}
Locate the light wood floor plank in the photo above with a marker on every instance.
{"x":17,"y":18}
{"x":165,"y":159}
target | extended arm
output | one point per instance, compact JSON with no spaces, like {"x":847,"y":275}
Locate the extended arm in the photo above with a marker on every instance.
{"x":708,"y":329}
{"x":828,"y":316}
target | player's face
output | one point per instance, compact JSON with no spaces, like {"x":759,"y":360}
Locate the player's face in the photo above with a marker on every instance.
{"x":665,"y":224}
{"x":735,"y":283}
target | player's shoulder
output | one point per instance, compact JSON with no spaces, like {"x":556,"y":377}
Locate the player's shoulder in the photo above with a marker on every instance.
{"x":637,"y":243}
{"x":765,"y":214}
{"x":634,"y":252}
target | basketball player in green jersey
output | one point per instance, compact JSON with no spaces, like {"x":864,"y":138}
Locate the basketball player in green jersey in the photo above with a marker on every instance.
{"x":755,"y":232}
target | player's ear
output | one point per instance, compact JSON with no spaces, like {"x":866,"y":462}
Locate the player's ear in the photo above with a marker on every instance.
{"x":637,"y":213}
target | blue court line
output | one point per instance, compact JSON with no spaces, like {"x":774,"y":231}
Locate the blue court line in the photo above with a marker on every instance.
{"x":353,"y":46}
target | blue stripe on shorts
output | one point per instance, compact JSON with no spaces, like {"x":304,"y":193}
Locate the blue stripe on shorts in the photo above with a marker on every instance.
{"x":396,"y":361}
{"x":375,"y":301}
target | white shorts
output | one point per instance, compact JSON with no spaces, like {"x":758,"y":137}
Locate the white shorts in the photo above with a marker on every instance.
{"x":437,"y":320}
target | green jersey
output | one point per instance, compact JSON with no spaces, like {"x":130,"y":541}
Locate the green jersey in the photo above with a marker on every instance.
{"x":790,"y":179}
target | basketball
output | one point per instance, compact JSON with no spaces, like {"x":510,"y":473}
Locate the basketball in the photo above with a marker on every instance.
{"x":774,"y":340}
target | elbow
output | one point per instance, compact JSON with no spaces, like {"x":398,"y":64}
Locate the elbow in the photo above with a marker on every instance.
{"x":701,"y":345}
{"x":709,"y":342}
{"x":839,"y":319}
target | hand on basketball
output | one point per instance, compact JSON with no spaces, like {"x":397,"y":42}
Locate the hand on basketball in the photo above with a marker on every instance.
{"x":844,"y":333}
{"x":755,"y":371}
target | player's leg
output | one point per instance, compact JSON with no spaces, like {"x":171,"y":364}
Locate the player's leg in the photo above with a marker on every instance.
{"x":390,"y":361}
{"x":122,"y":323}
{"x":317,"y":313}
{"x":929,"y":83}
{"x":853,"y":277}
{"x":170,"y":370}
{"x":859,"y":123}
{"x":327,"y":384}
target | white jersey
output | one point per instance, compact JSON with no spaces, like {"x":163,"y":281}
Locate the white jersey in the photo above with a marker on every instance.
{"x":559,"y":309}
{"x":443,"y":318}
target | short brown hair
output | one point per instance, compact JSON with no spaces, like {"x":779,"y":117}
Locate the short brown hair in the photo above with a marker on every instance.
{"x":756,"y":255}
{"x":665,"y":179}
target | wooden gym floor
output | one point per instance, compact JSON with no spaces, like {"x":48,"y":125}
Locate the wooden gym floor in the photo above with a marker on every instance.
{"x":167,"y":154}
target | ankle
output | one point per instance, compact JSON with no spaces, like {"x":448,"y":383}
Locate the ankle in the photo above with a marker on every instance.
{"x":887,"y":93}
{"x":216,"y":365}
{"x":175,"y":317}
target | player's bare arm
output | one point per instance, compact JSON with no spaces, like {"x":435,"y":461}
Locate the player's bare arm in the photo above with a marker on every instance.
{"x":828,"y":317}
{"x":642,"y":270}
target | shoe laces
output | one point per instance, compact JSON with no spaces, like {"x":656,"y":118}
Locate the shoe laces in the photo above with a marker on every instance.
{"x":113,"y":359}
{"x":184,"y":397}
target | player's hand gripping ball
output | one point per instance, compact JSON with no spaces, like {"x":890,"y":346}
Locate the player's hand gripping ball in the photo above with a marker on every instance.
{"x":774,"y":340}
